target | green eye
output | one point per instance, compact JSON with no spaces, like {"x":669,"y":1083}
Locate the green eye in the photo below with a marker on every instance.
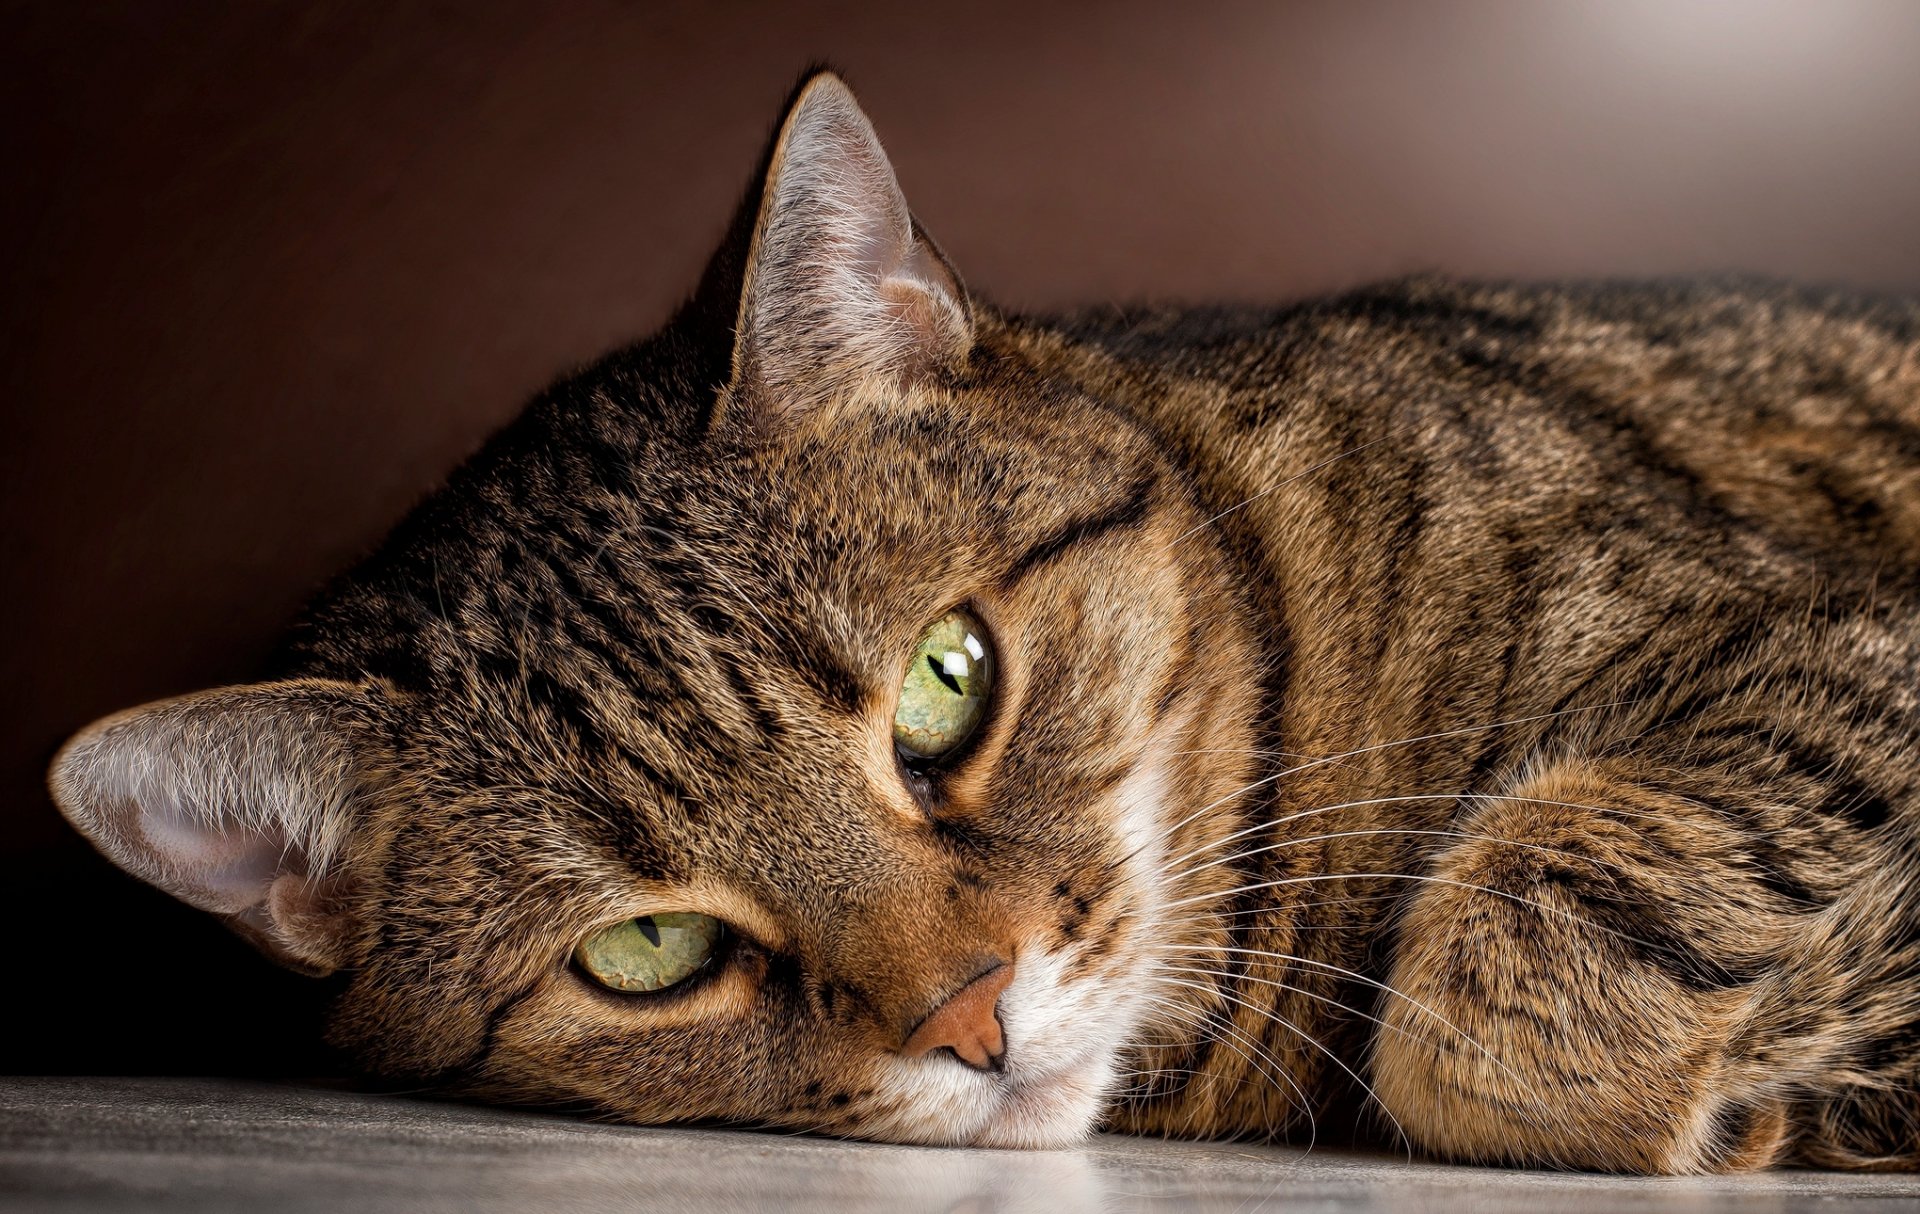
{"x":944,"y":694}
{"x":650,"y":953}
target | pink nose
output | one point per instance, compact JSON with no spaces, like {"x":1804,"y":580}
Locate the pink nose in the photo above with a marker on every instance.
{"x":968,"y":1023}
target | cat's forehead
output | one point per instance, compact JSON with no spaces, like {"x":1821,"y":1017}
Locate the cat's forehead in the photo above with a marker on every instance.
{"x":888,"y":490}
{"x":611,"y":599}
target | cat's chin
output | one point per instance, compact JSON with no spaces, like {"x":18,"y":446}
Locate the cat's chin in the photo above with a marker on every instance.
{"x":1046,"y":1115}
{"x":1034,"y":1109}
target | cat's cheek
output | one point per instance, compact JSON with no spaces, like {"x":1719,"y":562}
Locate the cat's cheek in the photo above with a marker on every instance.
{"x":639,"y":1058}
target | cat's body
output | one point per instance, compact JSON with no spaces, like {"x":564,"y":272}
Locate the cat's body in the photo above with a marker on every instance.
{"x":1655,"y":548}
{"x":1475,"y":713}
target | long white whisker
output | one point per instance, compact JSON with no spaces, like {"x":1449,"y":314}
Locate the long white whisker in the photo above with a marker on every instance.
{"x":1377,"y":985}
{"x":1261,"y":1060}
{"x":1348,"y":754}
{"x":1414,"y":798}
{"x":1307,"y":1037}
{"x":1304,"y":993}
{"x":1387,"y":830}
{"x":1212,"y":918}
{"x":1467,"y":885}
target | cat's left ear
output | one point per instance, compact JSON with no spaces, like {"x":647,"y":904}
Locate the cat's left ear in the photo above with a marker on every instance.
{"x":840,"y":284}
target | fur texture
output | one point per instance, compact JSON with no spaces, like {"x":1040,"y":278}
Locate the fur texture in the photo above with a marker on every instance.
{"x":1476,"y":715}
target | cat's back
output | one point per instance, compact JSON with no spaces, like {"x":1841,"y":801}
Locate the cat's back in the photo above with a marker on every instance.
{"x":1758,"y":423}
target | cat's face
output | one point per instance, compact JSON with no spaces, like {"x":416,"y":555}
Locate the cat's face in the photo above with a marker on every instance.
{"x":830,"y":757}
{"x":770,"y":789}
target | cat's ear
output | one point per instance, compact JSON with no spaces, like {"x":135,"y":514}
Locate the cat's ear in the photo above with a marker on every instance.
{"x":238,"y":801}
{"x":840,"y":284}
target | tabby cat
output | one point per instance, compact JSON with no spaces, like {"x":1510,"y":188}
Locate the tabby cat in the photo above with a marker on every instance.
{"x":1469,"y":716}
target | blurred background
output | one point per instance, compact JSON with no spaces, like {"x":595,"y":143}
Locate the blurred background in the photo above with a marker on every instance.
{"x":272,"y":269}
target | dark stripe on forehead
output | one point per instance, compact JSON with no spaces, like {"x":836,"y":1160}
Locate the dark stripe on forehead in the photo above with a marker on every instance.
{"x":1127,"y":513}
{"x":813,"y":658}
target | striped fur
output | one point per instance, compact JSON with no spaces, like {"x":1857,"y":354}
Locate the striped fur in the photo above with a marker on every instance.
{"x":1471,"y":714}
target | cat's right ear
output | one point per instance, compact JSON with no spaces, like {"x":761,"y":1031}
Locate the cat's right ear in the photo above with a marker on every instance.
{"x":239,"y":801}
{"x":838,"y":283}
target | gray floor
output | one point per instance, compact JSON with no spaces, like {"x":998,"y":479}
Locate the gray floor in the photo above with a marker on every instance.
{"x":201,"y":1145}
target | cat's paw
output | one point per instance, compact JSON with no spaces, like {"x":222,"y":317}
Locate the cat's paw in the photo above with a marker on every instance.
{"x":1559,"y":1001}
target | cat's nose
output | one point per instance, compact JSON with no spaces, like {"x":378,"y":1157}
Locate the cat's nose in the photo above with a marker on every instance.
{"x":968,"y":1023}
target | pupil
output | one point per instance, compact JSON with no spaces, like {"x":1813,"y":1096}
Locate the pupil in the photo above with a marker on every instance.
{"x":649,"y":929}
{"x":940,"y":672}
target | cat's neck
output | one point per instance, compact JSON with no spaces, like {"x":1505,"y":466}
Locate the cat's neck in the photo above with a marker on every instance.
{"x":1280,"y":465}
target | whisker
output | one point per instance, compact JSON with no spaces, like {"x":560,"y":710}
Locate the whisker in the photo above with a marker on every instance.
{"x":1377,"y":985}
{"x":1191,"y":1073}
{"x":1413,"y":798}
{"x":1390,"y":830}
{"x":1307,"y":1037}
{"x":1302,"y":991}
{"x":1133,"y":1085}
{"x":1379,"y":746}
{"x":1209,"y":918}
{"x":1316,"y":760}
{"x":1467,"y":885}
{"x":1263,"y":1063}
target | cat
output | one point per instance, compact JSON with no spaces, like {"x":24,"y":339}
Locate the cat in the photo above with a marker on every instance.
{"x":1470,"y":716}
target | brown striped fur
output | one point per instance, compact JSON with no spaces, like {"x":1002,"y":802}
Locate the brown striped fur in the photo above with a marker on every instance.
{"x":1475,"y":714}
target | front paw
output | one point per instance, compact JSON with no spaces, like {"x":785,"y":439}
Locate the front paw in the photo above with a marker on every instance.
{"x":1552,"y":1007}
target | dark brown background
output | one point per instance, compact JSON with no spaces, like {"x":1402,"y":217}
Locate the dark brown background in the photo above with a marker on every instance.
{"x":272,"y":269}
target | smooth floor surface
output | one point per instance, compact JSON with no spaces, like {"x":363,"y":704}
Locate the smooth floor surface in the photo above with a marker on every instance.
{"x":206,"y":1145}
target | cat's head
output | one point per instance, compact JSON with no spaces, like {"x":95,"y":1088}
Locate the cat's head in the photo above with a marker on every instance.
{"x":805,"y":718}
